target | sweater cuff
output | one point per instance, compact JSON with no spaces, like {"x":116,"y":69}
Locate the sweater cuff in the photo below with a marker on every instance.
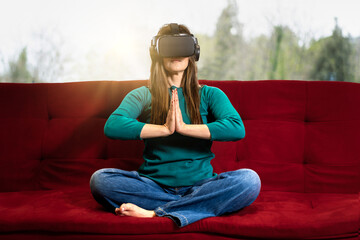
{"x":222,"y":131}
{"x":139,"y":127}
{"x":213,"y":131}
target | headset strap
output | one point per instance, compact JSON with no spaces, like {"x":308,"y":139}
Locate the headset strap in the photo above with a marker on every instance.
{"x":174,"y":28}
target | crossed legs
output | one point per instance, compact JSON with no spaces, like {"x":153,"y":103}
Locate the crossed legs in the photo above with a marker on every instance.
{"x":128,"y":194}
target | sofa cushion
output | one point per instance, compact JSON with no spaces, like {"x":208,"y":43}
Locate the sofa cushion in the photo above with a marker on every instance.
{"x":23,"y":121}
{"x":20,"y":152}
{"x":303,"y":132}
{"x":275,"y":214}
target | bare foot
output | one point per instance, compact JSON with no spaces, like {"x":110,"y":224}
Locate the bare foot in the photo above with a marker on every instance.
{"x":129,"y":209}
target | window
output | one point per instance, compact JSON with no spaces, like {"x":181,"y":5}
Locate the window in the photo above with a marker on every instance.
{"x":65,"y":40}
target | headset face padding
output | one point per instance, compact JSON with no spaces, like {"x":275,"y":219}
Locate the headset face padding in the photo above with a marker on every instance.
{"x":175,"y":45}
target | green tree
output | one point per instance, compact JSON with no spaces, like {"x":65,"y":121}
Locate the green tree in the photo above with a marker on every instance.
{"x":42,"y":60}
{"x":225,"y":62}
{"x":18,"y":69}
{"x":275,"y":57}
{"x":257,"y":58}
{"x":355,"y":59}
{"x":207,"y":54}
{"x":286,"y":57}
{"x":332,"y":57}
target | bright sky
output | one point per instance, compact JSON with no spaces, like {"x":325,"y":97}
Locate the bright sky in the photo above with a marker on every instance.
{"x":118,"y":32}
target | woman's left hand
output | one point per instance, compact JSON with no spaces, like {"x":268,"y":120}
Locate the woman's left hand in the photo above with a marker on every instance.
{"x":179,"y":123}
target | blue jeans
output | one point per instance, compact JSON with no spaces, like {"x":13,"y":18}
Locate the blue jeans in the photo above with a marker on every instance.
{"x":226,"y":193}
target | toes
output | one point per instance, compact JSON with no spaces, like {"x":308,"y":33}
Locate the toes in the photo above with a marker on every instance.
{"x":127,"y":207}
{"x":121,"y":209}
{"x":118,"y":211}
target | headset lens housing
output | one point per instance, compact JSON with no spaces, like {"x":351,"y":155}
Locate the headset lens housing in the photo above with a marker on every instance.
{"x":176,"y":45}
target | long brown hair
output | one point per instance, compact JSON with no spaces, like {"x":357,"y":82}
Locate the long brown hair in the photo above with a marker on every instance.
{"x":160,"y":99}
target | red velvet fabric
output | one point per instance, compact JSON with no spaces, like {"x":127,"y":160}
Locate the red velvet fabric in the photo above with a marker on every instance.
{"x":301,"y":137}
{"x":182,"y":236}
{"x":273,"y":214}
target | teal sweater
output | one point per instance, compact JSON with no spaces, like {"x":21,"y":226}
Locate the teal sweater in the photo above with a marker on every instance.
{"x":176,"y":160}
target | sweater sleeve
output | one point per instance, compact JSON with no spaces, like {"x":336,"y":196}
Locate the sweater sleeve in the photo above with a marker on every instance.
{"x":122,"y":123}
{"x":228,"y":125}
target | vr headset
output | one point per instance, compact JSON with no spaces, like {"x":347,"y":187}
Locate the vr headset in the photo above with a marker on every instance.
{"x":174,"y":45}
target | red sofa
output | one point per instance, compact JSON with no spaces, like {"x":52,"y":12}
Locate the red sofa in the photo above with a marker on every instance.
{"x":302,"y":138}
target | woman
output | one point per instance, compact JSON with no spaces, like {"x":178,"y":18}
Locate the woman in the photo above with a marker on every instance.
{"x":178,"y":120}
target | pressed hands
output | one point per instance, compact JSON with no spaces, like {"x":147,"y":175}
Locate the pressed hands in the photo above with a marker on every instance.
{"x":175,"y":123}
{"x":174,"y":120}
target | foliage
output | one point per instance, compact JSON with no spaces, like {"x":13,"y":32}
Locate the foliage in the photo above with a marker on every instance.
{"x":286,"y":56}
{"x":18,"y":69}
{"x":46,"y":57}
{"x":228,"y":42}
{"x":332,"y":57}
{"x":282,"y":55}
{"x":355,"y":59}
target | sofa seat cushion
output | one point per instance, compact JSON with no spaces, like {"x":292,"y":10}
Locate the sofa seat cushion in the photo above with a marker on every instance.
{"x":276,"y":214}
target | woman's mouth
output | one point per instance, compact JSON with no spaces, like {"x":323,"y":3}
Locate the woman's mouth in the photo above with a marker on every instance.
{"x":176,"y":60}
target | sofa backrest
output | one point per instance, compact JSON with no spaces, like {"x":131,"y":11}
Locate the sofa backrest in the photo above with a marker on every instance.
{"x":300,"y":136}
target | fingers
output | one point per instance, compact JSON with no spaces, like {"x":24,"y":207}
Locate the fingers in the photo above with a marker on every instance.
{"x":175,"y":98}
{"x":172,"y":101}
{"x":177,"y":102}
{"x":172,"y":106}
{"x":174,"y":120}
{"x":170,"y":119}
{"x":179,"y":123}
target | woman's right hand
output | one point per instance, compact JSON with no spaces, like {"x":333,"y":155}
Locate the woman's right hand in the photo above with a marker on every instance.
{"x":154,"y":130}
{"x":170,"y":119}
